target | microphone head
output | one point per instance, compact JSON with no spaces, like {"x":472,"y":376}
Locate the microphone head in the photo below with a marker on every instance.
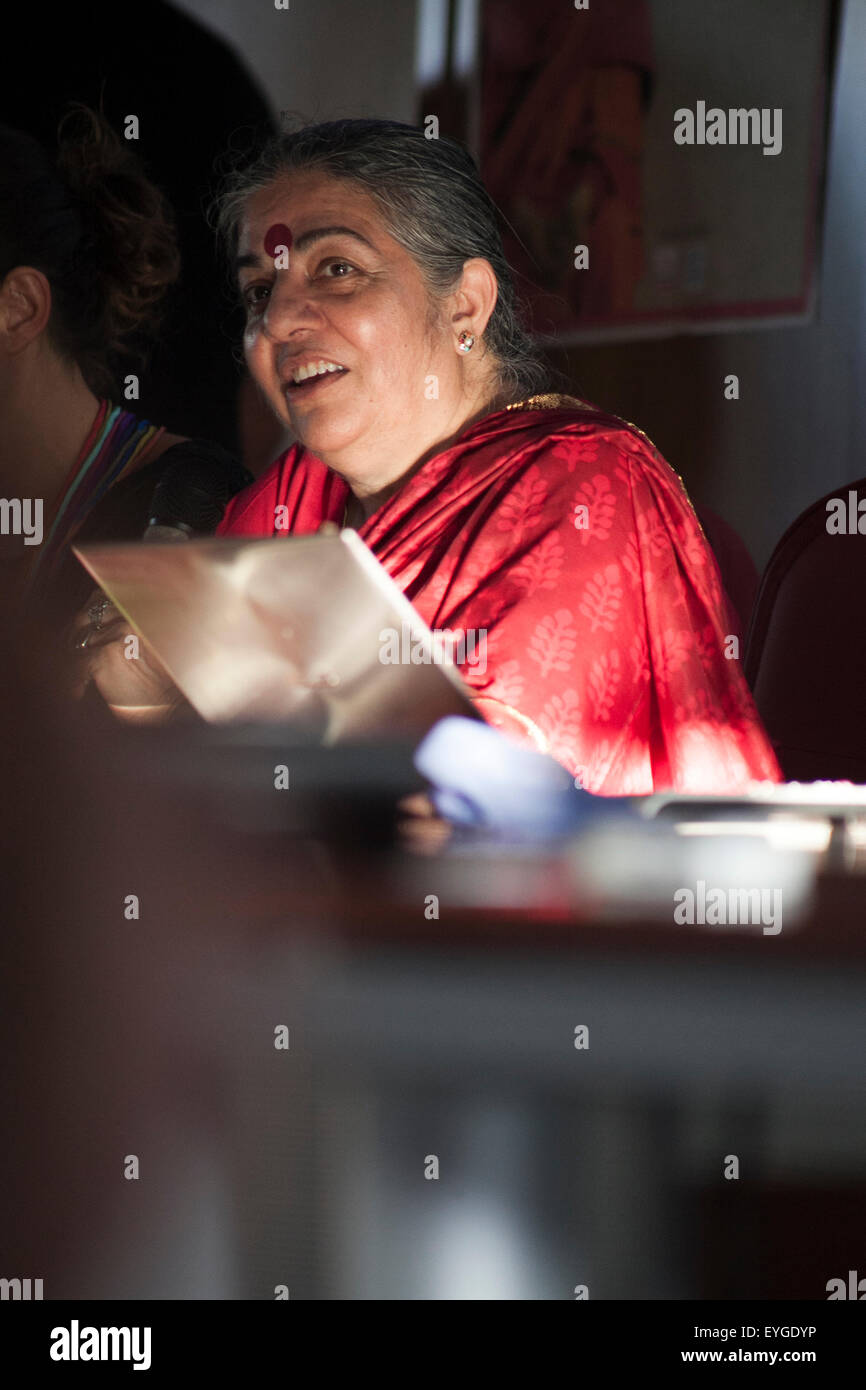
{"x":195,"y":487}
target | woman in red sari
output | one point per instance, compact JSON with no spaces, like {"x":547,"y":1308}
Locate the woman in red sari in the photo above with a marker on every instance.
{"x":382,"y":328}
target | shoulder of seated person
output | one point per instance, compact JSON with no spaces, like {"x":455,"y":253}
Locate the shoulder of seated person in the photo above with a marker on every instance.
{"x":168,"y":441}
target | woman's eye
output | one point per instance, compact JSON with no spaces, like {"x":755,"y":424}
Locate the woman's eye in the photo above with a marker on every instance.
{"x":254,"y":296}
{"x":336,"y":270}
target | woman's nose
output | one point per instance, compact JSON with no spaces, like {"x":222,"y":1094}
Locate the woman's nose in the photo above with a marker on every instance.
{"x":289,"y":308}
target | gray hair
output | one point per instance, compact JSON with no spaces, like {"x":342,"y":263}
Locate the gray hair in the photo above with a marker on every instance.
{"x":433,"y":203}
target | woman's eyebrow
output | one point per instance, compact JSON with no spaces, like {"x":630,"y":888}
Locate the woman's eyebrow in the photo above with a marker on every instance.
{"x":252,"y":258}
{"x":319,"y":233}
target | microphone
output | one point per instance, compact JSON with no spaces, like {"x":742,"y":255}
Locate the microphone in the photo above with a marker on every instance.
{"x":194,"y":491}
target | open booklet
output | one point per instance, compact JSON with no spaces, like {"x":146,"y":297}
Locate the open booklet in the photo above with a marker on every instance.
{"x":309,"y":630}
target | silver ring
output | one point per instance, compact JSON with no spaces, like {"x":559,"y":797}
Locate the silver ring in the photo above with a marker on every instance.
{"x":96,"y":612}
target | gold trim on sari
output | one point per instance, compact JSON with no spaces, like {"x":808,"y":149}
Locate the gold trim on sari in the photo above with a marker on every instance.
{"x":550,"y":400}
{"x":555,"y":400}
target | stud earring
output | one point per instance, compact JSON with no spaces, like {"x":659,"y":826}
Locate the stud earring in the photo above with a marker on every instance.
{"x":466,"y":342}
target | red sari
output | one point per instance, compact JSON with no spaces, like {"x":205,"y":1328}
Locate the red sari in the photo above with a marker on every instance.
{"x":563,"y":535}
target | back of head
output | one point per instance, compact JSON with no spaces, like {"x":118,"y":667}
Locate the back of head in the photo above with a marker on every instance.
{"x":98,"y":230}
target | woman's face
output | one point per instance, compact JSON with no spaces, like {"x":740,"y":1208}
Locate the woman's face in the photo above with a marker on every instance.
{"x":348,"y":296}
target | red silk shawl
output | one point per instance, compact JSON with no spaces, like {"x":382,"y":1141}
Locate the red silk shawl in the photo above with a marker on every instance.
{"x":563,"y":535}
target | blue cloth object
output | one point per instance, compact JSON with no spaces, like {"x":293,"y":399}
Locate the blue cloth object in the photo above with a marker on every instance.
{"x":482,"y":779}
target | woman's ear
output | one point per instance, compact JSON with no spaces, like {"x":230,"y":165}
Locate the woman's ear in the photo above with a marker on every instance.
{"x":25,"y":308}
{"x":475,"y":299}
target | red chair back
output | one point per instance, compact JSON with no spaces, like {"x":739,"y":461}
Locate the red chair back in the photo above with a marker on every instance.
{"x":805,"y":654}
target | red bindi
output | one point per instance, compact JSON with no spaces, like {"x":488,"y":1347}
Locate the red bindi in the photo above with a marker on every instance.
{"x":277,"y":235}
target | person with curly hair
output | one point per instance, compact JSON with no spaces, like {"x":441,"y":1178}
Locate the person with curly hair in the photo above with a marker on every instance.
{"x":87,"y":253}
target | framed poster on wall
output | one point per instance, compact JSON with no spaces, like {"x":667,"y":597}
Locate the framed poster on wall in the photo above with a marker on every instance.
{"x":658,"y":163}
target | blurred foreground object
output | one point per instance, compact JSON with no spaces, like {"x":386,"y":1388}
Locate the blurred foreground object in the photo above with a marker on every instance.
{"x":504,"y":1073}
{"x":482,"y":779}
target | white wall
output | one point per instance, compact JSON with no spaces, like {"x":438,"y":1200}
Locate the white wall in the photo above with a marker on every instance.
{"x":799,"y":428}
{"x":323,"y":58}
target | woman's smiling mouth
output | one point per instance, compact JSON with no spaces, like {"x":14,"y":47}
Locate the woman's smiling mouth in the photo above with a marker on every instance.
{"x":311,"y":374}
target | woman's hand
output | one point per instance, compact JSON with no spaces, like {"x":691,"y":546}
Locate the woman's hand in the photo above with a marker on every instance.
{"x":421,"y":829}
{"x":130,"y":678}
